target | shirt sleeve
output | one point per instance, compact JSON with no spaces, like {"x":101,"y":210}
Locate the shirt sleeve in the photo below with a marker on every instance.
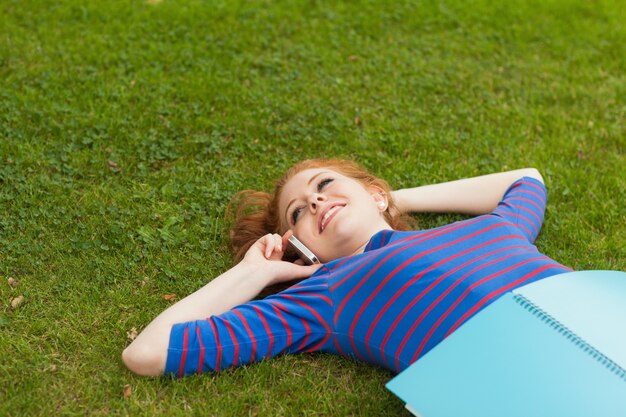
{"x":524,"y":205}
{"x":298,"y":319}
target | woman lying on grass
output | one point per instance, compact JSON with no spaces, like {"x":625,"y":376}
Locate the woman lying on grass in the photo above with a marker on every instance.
{"x":383,"y":293}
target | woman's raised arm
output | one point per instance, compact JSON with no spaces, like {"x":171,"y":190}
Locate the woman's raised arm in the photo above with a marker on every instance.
{"x":477,"y":195}
{"x":262,"y":266}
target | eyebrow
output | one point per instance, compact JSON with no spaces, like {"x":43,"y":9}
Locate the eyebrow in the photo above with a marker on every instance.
{"x":308,"y":183}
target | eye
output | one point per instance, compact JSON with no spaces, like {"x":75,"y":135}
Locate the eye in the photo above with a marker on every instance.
{"x":323,"y":184}
{"x":295,"y":215}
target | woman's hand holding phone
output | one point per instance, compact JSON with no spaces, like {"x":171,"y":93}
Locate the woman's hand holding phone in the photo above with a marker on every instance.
{"x":266,"y":255}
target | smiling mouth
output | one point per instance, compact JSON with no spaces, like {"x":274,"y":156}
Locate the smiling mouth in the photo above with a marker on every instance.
{"x":330,"y":213}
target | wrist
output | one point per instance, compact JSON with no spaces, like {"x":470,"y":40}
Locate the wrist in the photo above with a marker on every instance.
{"x":253,"y":275}
{"x":398,"y":201}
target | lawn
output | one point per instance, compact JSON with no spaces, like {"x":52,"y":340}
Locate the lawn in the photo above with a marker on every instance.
{"x":126,"y":126}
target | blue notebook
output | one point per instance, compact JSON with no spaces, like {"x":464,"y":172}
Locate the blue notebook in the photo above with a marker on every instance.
{"x":553,"y":348}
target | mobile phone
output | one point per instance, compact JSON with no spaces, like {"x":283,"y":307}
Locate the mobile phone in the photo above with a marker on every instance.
{"x":305,"y":253}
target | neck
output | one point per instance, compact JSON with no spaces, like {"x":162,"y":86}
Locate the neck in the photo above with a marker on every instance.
{"x":361,"y":248}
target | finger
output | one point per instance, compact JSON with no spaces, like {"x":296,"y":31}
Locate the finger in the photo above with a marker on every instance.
{"x":279,"y":242}
{"x":290,"y":271}
{"x":269,"y":245}
{"x":275,"y":248}
{"x":311,"y":269}
{"x":286,"y":237}
{"x":304,"y":271}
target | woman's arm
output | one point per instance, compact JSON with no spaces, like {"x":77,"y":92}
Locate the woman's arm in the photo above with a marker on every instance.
{"x":477,"y":195}
{"x":262,"y":266}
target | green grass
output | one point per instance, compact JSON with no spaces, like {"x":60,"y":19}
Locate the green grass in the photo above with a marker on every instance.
{"x":194,"y":100}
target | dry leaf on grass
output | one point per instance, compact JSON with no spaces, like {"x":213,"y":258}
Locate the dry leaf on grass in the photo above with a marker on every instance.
{"x":128,"y":391}
{"x":113,"y":166}
{"x":169,"y":297}
{"x":132,"y":334}
{"x":17,"y":301}
{"x":12,"y":282}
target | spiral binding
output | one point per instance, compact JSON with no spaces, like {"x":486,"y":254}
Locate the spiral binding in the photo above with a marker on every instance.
{"x":570,"y":335}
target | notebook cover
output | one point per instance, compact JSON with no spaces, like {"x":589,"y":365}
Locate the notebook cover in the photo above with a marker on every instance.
{"x":590,"y":303}
{"x":508,"y":361}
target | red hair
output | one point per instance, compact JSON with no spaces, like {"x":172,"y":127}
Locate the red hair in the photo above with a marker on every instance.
{"x":255,"y":213}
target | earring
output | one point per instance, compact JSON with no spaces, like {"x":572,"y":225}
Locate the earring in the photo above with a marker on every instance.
{"x":382,"y":204}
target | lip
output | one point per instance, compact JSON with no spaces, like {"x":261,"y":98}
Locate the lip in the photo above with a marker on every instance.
{"x":322,"y":214}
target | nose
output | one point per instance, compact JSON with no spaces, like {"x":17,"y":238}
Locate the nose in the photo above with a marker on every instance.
{"x":314,"y":200}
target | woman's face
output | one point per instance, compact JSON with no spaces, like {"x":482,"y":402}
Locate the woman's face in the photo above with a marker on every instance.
{"x":332,"y":214}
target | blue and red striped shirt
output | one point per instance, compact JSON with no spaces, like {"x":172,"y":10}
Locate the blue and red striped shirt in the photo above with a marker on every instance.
{"x":388,"y":305}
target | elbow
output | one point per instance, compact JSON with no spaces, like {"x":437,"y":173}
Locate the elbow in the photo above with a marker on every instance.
{"x":533,"y":173}
{"x":144,"y":360}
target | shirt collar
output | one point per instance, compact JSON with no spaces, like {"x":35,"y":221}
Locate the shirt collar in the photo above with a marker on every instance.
{"x":379,"y":240}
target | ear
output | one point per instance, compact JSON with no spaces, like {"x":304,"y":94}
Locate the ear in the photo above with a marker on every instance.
{"x":380,"y":197}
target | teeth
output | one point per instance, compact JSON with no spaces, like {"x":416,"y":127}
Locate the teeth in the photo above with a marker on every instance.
{"x":327,"y":215}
